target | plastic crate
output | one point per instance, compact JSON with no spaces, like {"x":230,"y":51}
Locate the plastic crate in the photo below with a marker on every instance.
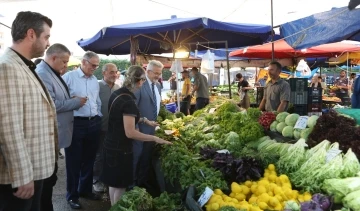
{"x":315,"y":92}
{"x":302,"y":110}
{"x":315,"y":99}
{"x":315,"y":107}
{"x":298,"y":84}
{"x":190,"y":201}
{"x":298,"y":98}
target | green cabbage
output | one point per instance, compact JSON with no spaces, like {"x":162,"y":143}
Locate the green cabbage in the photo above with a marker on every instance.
{"x":281,"y":116}
{"x":287,"y":131}
{"x":311,"y":122}
{"x":296,"y":134}
{"x":273,"y":126}
{"x":352,"y":200}
{"x":305,"y":133}
{"x":339,"y":188}
{"x":280,"y":127}
{"x":291,"y":119}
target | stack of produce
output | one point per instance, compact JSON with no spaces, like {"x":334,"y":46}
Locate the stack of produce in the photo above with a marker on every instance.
{"x":271,"y":192}
{"x":336,"y":128}
{"x":138,"y":199}
{"x":285,"y":123}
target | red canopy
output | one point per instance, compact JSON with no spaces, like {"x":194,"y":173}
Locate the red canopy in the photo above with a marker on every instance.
{"x":284,"y":50}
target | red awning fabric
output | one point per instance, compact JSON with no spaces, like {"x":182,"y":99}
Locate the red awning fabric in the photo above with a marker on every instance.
{"x":284,"y":50}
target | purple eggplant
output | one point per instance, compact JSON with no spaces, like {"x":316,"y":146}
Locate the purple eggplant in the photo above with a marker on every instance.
{"x":323,"y":201}
{"x":311,"y":206}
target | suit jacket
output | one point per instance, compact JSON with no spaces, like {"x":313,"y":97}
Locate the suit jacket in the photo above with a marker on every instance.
{"x":145,"y":103}
{"x":63,"y":102}
{"x":28,"y":126}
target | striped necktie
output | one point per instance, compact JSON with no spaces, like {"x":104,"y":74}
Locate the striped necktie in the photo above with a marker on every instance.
{"x":155,"y":102}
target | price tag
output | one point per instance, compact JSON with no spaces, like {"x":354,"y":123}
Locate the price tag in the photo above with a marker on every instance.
{"x":205,"y":196}
{"x":169,"y":132}
{"x":212,"y":110}
{"x":301,"y":122}
{"x":224,"y":151}
{"x":331,"y":154}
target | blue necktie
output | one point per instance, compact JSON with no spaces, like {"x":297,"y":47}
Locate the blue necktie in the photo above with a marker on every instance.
{"x":154,"y":96}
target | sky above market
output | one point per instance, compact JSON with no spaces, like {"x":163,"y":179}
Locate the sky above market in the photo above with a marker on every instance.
{"x":76,"y":19}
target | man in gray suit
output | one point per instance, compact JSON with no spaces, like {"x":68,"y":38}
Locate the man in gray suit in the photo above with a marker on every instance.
{"x":148,"y":100}
{"x":56,"y":59}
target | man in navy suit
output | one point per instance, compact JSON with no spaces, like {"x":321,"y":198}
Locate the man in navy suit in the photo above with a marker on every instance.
{"x":49,"y":70}
{"x":148,"y":101}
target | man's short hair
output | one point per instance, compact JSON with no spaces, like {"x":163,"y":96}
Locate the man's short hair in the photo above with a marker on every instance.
{"x":353,"y":74}
{"x":239,"y":76}
{"x":107,"y":65}
{"x":194,"y":69}
{"x":28,"y":20}
{"x":89,"y":54}
{"x":277,"y":64}
{"x":57,"y":48}
{"x":155,"y":63}
{"x":319,"y":77}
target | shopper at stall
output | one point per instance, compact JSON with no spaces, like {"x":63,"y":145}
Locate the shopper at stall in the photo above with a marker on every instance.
{"x":173,"y":84}
{"x":342,"y":83}
{"x":277,"y":91}
{"x":148,"y":99}
{"x":117,"y":171}
{"x":107,"y":87}
{"x":262,"y":81}
{"x":315,"y":82}
{"x":80,"y":155}
{"x":201,"y":88}
{"x":243,"y":87}
{"x":355,"y":98}
{"x":185,"y":93}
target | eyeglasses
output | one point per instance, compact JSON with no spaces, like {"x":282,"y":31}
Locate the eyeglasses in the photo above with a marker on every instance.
{"x":157,"y":74}
{"x":95,"y":66}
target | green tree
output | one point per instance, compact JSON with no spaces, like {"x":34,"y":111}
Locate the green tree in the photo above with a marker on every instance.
{"x":166,"y":74}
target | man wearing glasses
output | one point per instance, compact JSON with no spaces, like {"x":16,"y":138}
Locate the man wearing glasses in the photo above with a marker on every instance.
{"x":148,"y":101}
{"x":80,"y":155}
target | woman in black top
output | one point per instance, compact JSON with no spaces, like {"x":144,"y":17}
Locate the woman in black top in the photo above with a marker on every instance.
{"x":117,"y":171}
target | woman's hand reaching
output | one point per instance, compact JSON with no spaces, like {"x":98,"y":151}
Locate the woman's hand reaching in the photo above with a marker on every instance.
{"x":161,"y":141}
{"x":151,"y":123}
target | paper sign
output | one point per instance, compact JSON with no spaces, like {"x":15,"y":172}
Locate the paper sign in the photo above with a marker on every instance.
{"x":301,"y":122}
{"x":205,"y":196}
{"x":224,"y":151}
{"x":331,"y":154}
{"x":212,"y":110}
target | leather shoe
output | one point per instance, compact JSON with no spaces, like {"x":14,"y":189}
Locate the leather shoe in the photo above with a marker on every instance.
{"x":74,"y":204}
{"x":90,"y":196}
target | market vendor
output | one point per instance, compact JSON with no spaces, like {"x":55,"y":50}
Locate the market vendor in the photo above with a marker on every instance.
{"x":342,"y":83}
{"x":243,"y":87}
{"x":185,"y":93}
{"x":276,"y":92}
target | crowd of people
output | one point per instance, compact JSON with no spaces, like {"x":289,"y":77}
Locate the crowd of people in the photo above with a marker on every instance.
{"x":106,"y":127}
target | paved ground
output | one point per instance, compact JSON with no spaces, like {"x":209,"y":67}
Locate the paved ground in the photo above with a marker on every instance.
{"x":60,"y":203}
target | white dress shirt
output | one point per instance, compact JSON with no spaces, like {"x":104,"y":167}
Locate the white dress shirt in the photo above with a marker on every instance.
{"x":82,"y":86}
{"x":157,"y":94}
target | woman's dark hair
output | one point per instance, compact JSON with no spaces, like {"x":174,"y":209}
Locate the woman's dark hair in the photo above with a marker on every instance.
{"x":133,"y":75}
{"x":28,"y":20}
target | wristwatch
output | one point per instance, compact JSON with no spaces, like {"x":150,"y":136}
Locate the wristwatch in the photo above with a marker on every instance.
{"x":144,"y":119}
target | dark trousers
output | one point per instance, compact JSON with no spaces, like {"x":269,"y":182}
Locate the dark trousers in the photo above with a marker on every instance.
{"x":185,"y":105}
{"x":142,"y":161}
{"x":99,"y":157}
{"x":201,"y":102}
{"x":47,"y":191}
{"x":9,"y":202}
{"x":80,"y":157}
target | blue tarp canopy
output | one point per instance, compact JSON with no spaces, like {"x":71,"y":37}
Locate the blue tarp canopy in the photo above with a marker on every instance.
{"x":332,"y":26}
{"x":161,"y":36}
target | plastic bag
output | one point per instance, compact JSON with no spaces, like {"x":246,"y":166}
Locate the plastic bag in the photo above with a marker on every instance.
{"x":176,"y":66}
{"x":208,"y":62}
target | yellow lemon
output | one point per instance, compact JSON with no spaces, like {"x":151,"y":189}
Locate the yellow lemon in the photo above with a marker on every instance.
{"x":245,"y":190}
{"x":240,"y":197}
{"x":253,"y":200}
{"x":218,"y":192}
{"x":274,"y":201}
{"x":254,"y":188}
{"x":215,"y":206}
{"x":271,"y":167}
{"x":260,"y":190}
{"x":263,"y":205}
{"x":235,"y":187}
{"x":264,"y":198}
{"x":248,"y":183}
